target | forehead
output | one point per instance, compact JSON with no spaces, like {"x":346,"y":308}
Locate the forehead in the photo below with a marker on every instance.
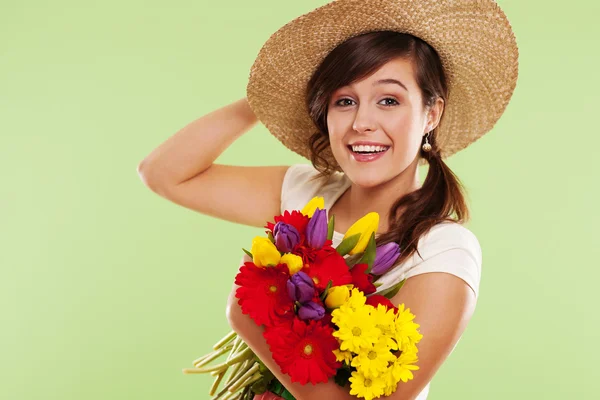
{"x":399,"y":68}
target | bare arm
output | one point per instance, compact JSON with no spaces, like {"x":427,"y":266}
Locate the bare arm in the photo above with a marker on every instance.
{"x":442,"y":304}
{"x":194,"y":148}
{"x":182,"y":170}
{"x":251,"y":334}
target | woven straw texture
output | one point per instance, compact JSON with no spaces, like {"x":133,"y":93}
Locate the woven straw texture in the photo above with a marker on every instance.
{"x":473,"y":38}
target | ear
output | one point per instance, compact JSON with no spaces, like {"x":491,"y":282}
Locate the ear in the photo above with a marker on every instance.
{"x":435,"y":114}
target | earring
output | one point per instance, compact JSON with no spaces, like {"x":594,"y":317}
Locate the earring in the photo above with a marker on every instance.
{"x":426,"y":147}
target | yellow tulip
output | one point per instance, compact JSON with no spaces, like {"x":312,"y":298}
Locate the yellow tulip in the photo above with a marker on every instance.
{"x":365,"y":226}
{"x":293,"y":262}
{"x":264,"y":252}
{"x":336,"y":296}
{"x":310,"y":207}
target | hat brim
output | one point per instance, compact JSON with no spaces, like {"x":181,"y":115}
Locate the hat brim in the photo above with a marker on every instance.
{"x":474,"y":40}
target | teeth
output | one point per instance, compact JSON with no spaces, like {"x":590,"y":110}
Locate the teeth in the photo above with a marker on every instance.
{"x":370,"y":149}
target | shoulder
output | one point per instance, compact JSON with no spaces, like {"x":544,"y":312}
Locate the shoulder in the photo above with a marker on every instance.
{"x":301,"y":183}
{"x":298,"y":174}
{"x":452,"y":248}
{"x":447,"y":247}
{"x":446,"y":236}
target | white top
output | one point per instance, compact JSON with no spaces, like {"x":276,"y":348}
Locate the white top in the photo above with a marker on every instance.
{"x":447,"y":247}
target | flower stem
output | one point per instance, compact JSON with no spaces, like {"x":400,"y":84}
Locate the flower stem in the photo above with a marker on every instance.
{"x":240,"y":356}
{"x":215,"y":384}
{"x":245,"y":366}
{"x":219,"y":367}
{"x":225,"y":393}
{"x":248,"y":382}
{"x":240,"y":381}
{"x":234,"y":371}
{"x":236,"y":345}
{"x":211,"y":356}
{"x":226,"y":339}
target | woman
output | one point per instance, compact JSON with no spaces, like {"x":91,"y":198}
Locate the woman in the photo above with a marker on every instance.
{"x":349,"y":88}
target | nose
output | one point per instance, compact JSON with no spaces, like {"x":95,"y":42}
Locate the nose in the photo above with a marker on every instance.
{"x":363,"y":121}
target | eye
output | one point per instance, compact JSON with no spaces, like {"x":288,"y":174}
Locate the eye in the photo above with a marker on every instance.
{"x":392,"y":99}
{"x":337,"y":103}
{"x":340,"y":104}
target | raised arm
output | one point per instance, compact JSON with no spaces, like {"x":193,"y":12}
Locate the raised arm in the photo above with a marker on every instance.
{"x":196,"y":146}
{"x":182,"y":170}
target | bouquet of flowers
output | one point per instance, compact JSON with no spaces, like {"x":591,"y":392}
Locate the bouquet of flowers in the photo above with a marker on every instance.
{"x":321,"y":314}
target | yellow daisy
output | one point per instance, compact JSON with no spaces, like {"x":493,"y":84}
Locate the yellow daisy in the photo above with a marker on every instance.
{"x":374,"y":360}
{"x":344,"y":356}
{"x":369,"y":388}
{"x":357,"y":299}
{"x":356,"y":329}
{"x":406,"y":330}
{"x":385,"y":321}
{"x":401,"y":369}
{"x":390,"y":383}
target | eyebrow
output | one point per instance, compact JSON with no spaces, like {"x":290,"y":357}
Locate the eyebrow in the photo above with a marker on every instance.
{"x":390,"y":80}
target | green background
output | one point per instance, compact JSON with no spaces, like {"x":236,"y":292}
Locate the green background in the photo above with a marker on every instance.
{"x":108,"y":291}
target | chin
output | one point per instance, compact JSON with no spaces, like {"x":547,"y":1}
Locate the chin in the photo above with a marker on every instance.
{"x":366,"y":178}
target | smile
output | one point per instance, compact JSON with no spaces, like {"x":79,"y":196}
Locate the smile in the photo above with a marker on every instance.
{"x":367,"y":157}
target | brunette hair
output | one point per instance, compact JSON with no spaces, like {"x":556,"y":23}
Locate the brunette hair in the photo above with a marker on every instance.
{"x":441,"y":194}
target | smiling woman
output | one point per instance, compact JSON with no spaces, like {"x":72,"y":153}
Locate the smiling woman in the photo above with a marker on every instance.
{"x":349,"y":88}
{"x":371,"y":109}
{"x":357,"y":95}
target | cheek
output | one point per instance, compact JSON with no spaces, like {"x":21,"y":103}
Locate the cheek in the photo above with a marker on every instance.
{"x":405,"y":138}
{"x":336,"y":131}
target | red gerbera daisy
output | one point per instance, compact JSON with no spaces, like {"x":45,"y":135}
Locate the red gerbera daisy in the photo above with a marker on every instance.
{"x":304,"y":351}
{"x":332,"y":267}
{"x":361,"y":279}
{"x":376,"y":299}
{"x":263,"y":293}
{"x":310,"y":255}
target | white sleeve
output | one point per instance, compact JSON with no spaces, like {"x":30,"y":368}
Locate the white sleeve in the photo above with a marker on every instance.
{"x":296,"y":189}
{"x":450,"y":248}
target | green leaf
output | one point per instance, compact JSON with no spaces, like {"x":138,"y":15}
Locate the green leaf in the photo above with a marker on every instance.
{"x":271,"y":238}
{"x":324,"y":294}
{"x":369,"y":255}
{"x":249,"y":254}
{"x":348,"y":244}
{"x":259,"y":387}
{"x":330,"y":227}
{"x":377,"y":284}
{"x":287,"y":395}
{"x":392,"y":291}
{"x":342,"y":376}
{"x":276,"y":387}
{"x":352,"y":260}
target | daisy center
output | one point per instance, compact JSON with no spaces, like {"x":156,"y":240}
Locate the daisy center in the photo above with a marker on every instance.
{"x":356,"y":331}
{"x":372,"y":355}
{"x":368,"y":382}
{"x":273,"y":288}
{"x":308,"y":349}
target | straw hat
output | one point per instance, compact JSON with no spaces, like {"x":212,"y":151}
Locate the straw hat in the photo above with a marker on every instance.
{"x":473,"y":38}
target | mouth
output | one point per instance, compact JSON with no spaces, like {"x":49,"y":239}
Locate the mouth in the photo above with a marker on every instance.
{"x":368,"y":153}
{"x":367,"y":156}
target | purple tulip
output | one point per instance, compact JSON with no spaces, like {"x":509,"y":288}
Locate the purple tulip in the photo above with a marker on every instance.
{"x":286,"y":237}
{"x":311,"y":310}
{"x":300,"y":287}
{"x":385,"y":257}
{"x":316,"y":230}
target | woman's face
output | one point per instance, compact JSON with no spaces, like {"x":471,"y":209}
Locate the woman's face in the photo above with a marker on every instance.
{"x":378,"y":110}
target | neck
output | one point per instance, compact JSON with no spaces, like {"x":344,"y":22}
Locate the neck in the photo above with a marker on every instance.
{"x":380,"y":198}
